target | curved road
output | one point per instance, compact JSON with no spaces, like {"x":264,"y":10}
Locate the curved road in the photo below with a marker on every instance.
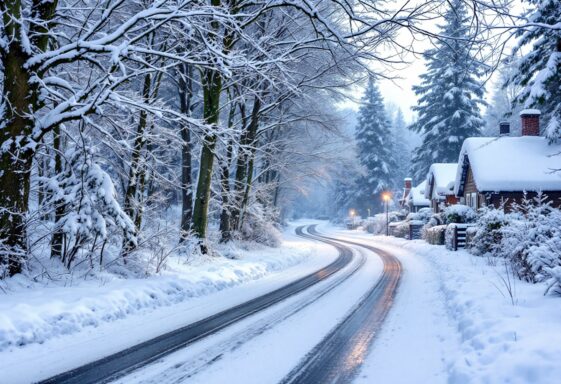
{"x":119,"y":364}
{"x":335,"y":359}
{"x":338,"y":356}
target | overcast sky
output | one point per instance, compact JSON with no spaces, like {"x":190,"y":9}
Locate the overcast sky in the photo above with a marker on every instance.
{"x":399,"y":91}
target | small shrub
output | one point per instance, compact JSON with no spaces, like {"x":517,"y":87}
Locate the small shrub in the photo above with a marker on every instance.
{"x":400,"y":229}
{"x":458,"y":213}
{"x":488,"y":233}
{"x":435,"y":235}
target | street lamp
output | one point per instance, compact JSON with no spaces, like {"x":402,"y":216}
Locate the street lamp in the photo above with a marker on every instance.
{"x":386,"y":196}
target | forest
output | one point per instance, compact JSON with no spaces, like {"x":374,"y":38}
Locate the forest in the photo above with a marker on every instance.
{"x":132,"y":130}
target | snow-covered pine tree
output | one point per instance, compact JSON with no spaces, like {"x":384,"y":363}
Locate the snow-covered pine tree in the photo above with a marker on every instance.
{"x":402,"y":148}
{"x":539,"y":71}
{"x":450,"y":94}
{"x":375,"y":150}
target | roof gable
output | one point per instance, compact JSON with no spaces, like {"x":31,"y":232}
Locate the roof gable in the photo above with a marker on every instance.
{"x":441,"y":178}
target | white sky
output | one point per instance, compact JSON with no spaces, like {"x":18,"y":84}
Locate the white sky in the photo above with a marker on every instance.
{"x":399,"y":91}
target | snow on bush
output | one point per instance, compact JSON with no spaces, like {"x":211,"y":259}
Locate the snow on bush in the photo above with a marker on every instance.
{"x":459,"y":214}
{"x":400,"y":229}
{"x":377,"y":223}
{"x":91,"y":212}
{"x":258,"y":225}
{"x":487,"y":234}
{"x":435,"y":235}
{"x":423,"y":215}
{"x":529,"y":238}
{"x":533,"y":242}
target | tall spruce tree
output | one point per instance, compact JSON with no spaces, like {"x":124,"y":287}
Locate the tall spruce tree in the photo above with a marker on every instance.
{"x":376,"y":153}
{"x":449,"y":95}
{"x":402,"y":148}
{"x":539,"y":71}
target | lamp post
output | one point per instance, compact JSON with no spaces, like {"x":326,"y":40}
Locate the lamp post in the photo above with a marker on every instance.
{"x":386,"y":196}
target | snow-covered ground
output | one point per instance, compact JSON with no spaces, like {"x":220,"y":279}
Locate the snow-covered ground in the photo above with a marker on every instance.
{"x":454,"y":318}
{"x":59,"y":328}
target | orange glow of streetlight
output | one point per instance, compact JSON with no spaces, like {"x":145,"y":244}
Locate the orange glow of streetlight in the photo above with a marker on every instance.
{"x":386,"y":196}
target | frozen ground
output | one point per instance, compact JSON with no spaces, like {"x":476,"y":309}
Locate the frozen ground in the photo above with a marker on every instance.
{"x":459,"y":306}
{"x":58,"y":328}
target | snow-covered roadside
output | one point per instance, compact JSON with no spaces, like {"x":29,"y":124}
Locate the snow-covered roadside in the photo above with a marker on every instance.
{"x":500,"y":342}
{"x":417,"y":340}
{"x":121,"y":313}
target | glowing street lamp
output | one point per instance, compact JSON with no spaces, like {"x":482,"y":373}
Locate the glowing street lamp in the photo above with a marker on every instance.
{"x":387,"y":196}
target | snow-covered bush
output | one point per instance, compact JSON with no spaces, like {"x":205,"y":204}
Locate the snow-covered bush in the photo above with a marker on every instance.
{"x":487,"y":234}
{"x":529,"y":237}
{"x":459,"y":214}
{"x":423,"y":215}
{"x":435,"y":235}
{"x":91,"y":213}
{"x":377,"y":224}
{"x":533,"y":241}
{"x":258,"y":225}
{"x":400,"y":229}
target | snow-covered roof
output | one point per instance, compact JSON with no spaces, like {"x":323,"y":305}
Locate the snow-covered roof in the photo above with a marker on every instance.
{"x":530,"y":112}
{"x":417,"y":195}
{"x":510,"y":164}
{"x":443,"y":175}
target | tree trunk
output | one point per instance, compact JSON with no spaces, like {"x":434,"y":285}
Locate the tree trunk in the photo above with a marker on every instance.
{"x":225,"y":219}
{"x":244,"y":165}
{"x":212,"y":87}
{"x":185,"y":85}
{"x":20,"y":101}
{"x":16,"y":156}
{"x":60,"y":207}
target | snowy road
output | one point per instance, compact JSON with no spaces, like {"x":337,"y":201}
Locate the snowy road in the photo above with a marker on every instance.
{"x":320,"y":335}
{"x":318,"y":328}
{"x":118,"y":364}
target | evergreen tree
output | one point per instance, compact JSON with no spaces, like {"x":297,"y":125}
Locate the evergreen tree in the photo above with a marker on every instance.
{"x":449,"y":94}
{"x":375,"y":150}
{"x":402,"y":148}
{"x":539,"y":71}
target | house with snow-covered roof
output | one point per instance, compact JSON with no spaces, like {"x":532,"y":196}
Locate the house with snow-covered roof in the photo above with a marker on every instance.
{"x":500,"y":170}
{"x":440,"y":185}
{"x":416,"y":198}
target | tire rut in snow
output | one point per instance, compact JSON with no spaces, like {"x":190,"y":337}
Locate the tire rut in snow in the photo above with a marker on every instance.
{"x":337,"y":358}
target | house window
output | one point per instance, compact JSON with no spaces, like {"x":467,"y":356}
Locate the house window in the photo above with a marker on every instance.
{"x":472,"y":200}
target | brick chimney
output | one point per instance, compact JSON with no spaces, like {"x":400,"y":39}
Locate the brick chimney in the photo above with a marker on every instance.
{"x":504,"y":128}
{"x":408,"y":183}
{"x":530,"y":122}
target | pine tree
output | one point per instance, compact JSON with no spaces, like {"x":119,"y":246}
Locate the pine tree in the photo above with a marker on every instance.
{"x":375,"y":150}
{"x":402,"y":148}
{"x":539,"y":71}
{"x":449,"y":94}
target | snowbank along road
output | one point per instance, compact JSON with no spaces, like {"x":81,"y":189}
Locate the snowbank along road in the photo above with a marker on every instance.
{"x":335,"y":359}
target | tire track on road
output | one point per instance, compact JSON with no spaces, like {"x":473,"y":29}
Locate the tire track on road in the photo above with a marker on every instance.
{"x":337,"y":358}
